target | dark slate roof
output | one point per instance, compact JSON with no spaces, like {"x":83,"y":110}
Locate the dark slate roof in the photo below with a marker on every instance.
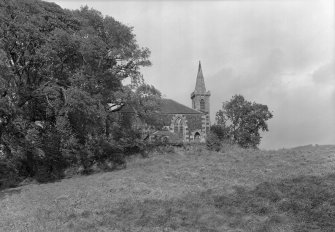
{"x":170,"y":106}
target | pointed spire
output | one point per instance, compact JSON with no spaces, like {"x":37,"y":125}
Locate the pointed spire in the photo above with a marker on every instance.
{"x":200,"y":84}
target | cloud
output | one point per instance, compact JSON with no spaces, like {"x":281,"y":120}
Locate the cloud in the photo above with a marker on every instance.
{"x":304,"y":112}
{"x":325,"y":74}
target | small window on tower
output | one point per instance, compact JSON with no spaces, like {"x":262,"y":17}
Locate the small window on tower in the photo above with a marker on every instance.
{"x":202,"y":105}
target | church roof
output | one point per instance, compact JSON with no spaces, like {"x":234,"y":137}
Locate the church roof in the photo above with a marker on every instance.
{"x":170,"y":106}
{"x":200,"y":84}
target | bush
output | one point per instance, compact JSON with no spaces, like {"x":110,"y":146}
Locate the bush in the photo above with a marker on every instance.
{"x":8,"y":175}
{"x":112,"y":152}
{"x":213,"y":142}
{"x":220,"y":131}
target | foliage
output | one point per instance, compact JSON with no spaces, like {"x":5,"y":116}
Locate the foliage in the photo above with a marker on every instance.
{"x":242,"y":121}
{"x":145,"y":100}
{"x":213,"y":142}
{"x":59,"y":69}
{"x":148,"y":103}
{"x":220,"y":131}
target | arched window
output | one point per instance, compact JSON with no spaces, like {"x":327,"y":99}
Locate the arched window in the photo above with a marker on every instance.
{"x":202,"y":105}
{"x":197,"y":136}
{"x":179,"y":127}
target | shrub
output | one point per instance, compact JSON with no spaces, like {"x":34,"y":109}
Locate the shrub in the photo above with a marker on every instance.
{"x":213,"y":142}
{"x":112,"y":152}
{"x":220,"y":131}
{"x":8,"y":175}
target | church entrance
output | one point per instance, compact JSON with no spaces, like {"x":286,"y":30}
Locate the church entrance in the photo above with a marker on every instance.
{"x":179,"y":127}
{"x":197,"y":137}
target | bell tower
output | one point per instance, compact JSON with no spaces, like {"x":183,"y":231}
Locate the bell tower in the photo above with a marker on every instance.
{"x":200,"y":97}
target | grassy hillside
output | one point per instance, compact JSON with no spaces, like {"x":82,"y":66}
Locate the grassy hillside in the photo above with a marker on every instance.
{"x":194,"y":190}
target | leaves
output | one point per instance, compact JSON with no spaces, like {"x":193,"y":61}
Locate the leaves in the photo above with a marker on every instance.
{"x":244,"y":120}
{"x":59,"y":69}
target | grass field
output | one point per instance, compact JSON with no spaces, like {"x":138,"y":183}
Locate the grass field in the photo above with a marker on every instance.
{"x":194,"y":190}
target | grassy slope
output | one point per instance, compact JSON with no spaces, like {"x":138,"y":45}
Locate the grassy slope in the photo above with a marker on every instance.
{"x":239,"y":190}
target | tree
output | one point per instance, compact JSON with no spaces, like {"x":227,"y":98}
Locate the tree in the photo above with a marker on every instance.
{"x":148,"y":102}
{"x":243,"y":120}
{"x":58,"y":71}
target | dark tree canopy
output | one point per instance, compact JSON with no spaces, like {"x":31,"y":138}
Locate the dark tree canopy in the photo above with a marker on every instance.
{"x":241,"y":121}
{"x":58,"y":71}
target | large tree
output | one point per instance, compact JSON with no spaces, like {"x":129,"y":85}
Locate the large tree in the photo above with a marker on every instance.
{"x":242,"y":121}
{"x":58,"y":71}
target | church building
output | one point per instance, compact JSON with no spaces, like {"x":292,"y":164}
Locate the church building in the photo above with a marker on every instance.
{"x":189,"y":124}
{"x":185,"y":123}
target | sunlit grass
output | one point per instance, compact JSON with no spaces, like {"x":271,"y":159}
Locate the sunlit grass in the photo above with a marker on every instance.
{"x":192,"y":190}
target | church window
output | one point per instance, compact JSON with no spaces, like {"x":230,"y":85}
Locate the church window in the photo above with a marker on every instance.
{"x":179,"y":127}
{"x":202,"y":105}
{"x":197,"y":136}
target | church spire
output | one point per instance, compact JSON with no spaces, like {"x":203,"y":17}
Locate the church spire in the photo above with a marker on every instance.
{"x":200,"y":84}
{"x":200,"y":97}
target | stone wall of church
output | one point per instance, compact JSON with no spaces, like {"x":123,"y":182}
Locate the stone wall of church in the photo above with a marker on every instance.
{"x":206,"y":123}
{"x":193,"y":123}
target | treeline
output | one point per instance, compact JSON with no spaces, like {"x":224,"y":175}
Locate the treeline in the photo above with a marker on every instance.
{"x":59,"y":72}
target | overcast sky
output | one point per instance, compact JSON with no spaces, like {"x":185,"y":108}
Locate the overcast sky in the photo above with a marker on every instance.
{"x":278,"y":53}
